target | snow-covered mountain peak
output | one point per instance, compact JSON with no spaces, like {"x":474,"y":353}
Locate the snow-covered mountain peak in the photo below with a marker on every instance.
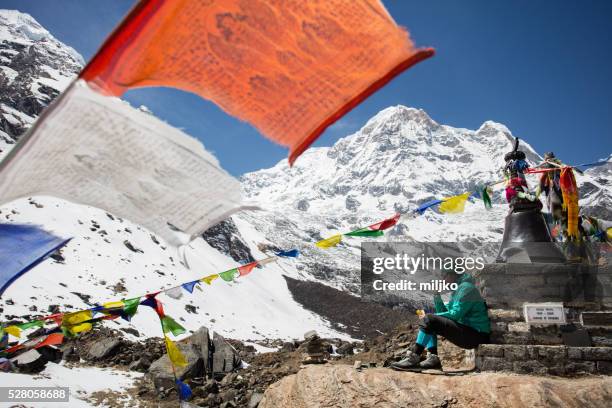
{"x":34,"y":68}
{"x":22,"y":28}
{"x":398,"y":158}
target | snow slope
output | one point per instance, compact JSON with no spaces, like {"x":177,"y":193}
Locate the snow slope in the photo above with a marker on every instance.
{"x":81,"y":381}
{"x":99,"y":266}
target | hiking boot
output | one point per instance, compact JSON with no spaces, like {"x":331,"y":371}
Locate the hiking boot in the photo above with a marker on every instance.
{"x":431,"y":362}
{"x":411,"y":360}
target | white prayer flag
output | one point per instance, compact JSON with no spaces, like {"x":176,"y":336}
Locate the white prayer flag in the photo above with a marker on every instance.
{"x":100,"y":151}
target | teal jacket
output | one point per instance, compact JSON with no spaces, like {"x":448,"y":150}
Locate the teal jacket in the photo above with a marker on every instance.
{"x":466,"y":306}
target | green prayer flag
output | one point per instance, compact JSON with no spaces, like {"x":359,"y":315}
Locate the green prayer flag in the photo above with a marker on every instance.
{"x":130,"y":306}
{"x":29,"y":325}
{"x":365,"y":232}
{"x":171,"y":326}
{"x":486,"y":199}
{"x":228,"y":276}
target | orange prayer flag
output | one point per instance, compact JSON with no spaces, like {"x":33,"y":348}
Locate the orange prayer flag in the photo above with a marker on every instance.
{"x":290,"y":68}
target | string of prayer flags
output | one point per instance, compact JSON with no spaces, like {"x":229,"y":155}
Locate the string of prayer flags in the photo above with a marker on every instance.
{"x":270,"y":64}
{"x":288,"y":254}
{"x":174,"y":354}
{"x":210,"y":278}
{"x":329,"y":242}
{"x":455,"y":204}
{"x":77,"y":322}
{"x":169,"y":325}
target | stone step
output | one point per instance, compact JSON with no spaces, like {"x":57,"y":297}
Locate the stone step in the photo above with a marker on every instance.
{"x":544,"y":359}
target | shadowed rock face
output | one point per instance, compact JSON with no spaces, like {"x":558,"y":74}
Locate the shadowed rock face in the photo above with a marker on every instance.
{"x":343,"y":386}
{"x":226,"y":238}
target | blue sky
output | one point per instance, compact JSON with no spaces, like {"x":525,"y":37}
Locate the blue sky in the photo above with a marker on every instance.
{"x":540,"y":67}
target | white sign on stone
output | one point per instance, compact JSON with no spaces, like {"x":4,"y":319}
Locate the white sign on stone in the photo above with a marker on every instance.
{"x":544,"y":313}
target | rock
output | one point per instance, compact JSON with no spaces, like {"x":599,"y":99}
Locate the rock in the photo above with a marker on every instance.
{"x":131,"y":330}
{"x":310,"y":335}
{"x":255,"y":399}
{"x":70,"y":354}
{"x":346,"y":349}
{"x":131,"y":247}
{"x":142,"y":364}
{"x":30,"y":362}
{"x":225,"y":237}
{"x":288,"y":347}
{"x":103,"y":348}
{"x":225,"y":357}
{"x":341,"y":385}
{"x":196,"y":350}
{"x":160,"y":372}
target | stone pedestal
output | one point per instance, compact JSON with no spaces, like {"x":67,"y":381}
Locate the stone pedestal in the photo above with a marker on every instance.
{"x":543,"y":349}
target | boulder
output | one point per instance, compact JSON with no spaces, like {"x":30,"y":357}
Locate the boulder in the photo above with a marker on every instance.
{"x":103,"y":348}
{"x":225,"y":358}
{"x":142,"y":364}
{"x":160,"y":372}
{"x":204,"y":358}
{"x":30,"y":362}
{"x":341,"y":385}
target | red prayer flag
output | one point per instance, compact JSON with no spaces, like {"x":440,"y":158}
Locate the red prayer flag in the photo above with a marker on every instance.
{"x":248,"y":268}
{"x":290,"y":68}
{"x":385,"y":224}
{"x":53,"y":339}
{"x":13,"y":348}
{"x":57,"y":318}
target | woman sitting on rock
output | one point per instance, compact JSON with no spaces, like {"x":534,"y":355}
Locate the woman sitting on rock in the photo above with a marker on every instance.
{"x":463,"y":321}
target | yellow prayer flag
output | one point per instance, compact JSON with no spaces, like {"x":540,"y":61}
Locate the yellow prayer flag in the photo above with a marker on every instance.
{"x":74,"y":322}
{"x":208,"y":279}
{"x":174,"y":354}
{"x":330,"y":242}
{"x":71,"y":319}
{"x":80,"y":328}
{"x":113,"y":305}
{"x":13,"y":331}
{"x":454,"y":205}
